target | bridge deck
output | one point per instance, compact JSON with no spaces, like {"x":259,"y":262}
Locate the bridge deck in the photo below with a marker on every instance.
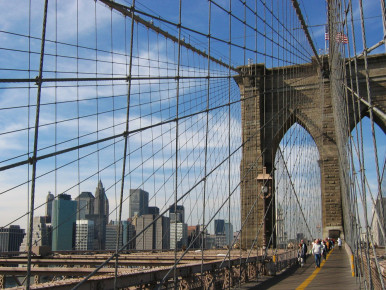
{"x":335,"y":273}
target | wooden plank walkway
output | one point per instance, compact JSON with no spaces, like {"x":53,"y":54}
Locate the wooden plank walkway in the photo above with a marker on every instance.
{"x":335,"y":273}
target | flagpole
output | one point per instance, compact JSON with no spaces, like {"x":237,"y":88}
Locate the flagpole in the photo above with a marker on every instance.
{"x":325,"y":44}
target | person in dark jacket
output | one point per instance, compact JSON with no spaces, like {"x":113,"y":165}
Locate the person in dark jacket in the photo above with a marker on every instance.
{"x":303,"y":251}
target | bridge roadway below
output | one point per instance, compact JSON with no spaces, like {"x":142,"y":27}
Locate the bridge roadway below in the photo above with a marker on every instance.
{"x":334,"y":273}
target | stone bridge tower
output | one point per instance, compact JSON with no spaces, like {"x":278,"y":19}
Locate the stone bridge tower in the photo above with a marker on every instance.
{"x":272,"y":101}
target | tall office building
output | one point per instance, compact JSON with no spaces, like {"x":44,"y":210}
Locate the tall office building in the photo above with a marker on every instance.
{"x":219,"y":227}
{"x":153,"y":210}
{"x":41,"y":233}
{"x":139,"y":202}
{"x":50,"y":198}
{"x":100,"y":216}
{"x":155,"y":237}
{"x":193,"y":239}
{"x":128,"y":232}
{"x":111,"y":236}
{"x":181,"y":229}
{"x":85,"y":205}
{"x":177,"y":212}
{"x":63,"y":223}
{"x":84,"y":235}
{"x":228,"y":233}
{"x":162,"y":235}
{"x":11,"y":238}
{"x":219,"y":233}
{"x":145,"y":241}
{"x":220,"y":241}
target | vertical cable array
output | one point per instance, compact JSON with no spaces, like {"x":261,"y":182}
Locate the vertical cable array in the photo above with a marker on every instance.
{"x":352,"y":101}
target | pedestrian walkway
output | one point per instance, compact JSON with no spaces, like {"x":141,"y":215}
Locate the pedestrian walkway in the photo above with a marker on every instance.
{"x":334,"y":273}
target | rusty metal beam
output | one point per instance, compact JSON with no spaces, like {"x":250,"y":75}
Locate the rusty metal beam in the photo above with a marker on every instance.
{"x":71,"y":262}
{"x":145,"y":277}
{"x":75,"y":271}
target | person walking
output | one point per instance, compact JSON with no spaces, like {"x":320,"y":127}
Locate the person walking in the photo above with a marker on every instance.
{"x":303,"y":251}
{"x":324,"y":250}
{"x":317,"y":251}
{"x":340,"y":243}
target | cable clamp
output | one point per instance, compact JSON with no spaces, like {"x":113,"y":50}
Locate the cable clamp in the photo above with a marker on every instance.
{"x":31,"y":160}
{"x":38,"y":80}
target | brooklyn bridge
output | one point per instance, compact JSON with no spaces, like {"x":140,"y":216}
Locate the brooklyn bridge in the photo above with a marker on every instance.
{"x":192,"y":144}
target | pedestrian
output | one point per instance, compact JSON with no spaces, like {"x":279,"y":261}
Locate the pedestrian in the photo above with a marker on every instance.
{"x":317,"y":251}
{"x":327,"y":243}
{"x":340,"y":243}
{"x":324,"y":250}
{"x":303,"y":251}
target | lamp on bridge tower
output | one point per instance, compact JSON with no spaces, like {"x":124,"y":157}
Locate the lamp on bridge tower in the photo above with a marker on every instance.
{"x":265,"y":180}
{"x":265,"y":184}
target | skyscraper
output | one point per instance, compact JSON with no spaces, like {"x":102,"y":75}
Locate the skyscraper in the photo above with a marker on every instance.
{"x":50,"y":198}
{"x":219,"y":227}
{"x":153,"y":210}
{"x":63,"y":223}
{"x":40,"y":233}
{"x":100,"y":217}
{"x":85,"y":205}
{"x":84,"y":237}
{"x":128,"y":232}
{"x":177,"y":226}
{"x":155,"y":237}
{"x":101,"y":203}
{"x":228,"y":233}
{"x":111,"y":236}
{"x":182,"y":235}
{"x":95,"y":209}
{"x":11,"y":238}
{"x":139,"y":202}
{"x":177,"y":212}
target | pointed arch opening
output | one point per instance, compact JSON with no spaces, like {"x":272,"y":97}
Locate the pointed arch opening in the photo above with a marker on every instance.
{"x":298,"y":188}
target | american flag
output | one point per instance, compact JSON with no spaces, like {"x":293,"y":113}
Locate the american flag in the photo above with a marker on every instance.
{"x":340,"y":37}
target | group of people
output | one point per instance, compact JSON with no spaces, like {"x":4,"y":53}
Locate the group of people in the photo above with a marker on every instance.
{"x":320,"y":248}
